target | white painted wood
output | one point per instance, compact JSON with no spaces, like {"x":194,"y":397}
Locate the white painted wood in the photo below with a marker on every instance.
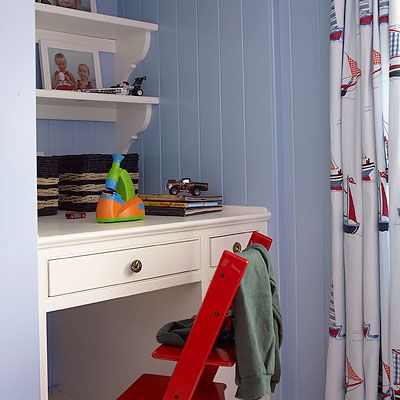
{"x":130,"y":50}
{"x":74,"y":113}
{"x":125,"y":336}
{"x":75,"y":274}
{"x":131,"y":121}
{"x":81,"y":99}
{"x":226,"y":242}
{"x":128,"y":39}
{"x":105,"y":45}
{"x":57,"y":230}
{"x":119,"y":291}
{"x":104,"y":345}
{"x":132,"y":113}
{"x":59,"y":19}
{"x":93,"y":6}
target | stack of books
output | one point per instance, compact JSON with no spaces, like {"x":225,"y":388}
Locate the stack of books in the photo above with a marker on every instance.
{"x":181,"y":206}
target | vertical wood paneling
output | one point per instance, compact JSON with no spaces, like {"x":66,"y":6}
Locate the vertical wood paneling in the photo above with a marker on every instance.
{"x":169,"y":90}
{"x":151,"y":156}
{"x":109,"y":7}
{"x":309,"y":184}
{"x":323,"y":28}
{"x":188,"y":89}
{"x":209,"y":95}
{"x":84,"y":137}
{"x":233,"y":134}
{"x":304,"y":66}
{"x":129,"y":9}
{"x":75,"y":137}
{"x":61,"y":137}
{"x":259,"y":101}
{"x":42,"y":136}
{"x":260,"y":89}
{"x":132,"y":9}
{"x":286,"y":198}
{"x":105,"y":137}
{"x":138,"y":147}
{"x":244,"y":106}
{"x":107,"y":69}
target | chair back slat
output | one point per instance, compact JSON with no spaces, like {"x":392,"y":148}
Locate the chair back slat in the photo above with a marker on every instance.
{"x":207,"y":325}
{"x":259,"y":238}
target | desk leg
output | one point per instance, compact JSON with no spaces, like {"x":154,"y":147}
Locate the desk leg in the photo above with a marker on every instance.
{"x":43,"y":355}
{"x":42,"y":294}
{"x":205,"y":263}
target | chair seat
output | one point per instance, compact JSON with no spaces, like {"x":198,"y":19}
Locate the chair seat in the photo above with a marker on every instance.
{"x":153,"y":387}
{"x":221,"y":356}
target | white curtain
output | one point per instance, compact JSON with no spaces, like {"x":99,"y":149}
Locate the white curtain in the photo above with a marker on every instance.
{"x":364,"y":327}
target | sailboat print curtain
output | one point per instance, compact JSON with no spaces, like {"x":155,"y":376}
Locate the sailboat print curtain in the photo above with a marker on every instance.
{"x":364,"y":327}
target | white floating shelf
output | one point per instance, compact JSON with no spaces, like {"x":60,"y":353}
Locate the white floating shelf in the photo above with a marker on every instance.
{"x":78,"y":106}
{"x":127,"y":39}
{"x":81,"y":99}
{"x":59,"y":19}
{"x":131,"y":113}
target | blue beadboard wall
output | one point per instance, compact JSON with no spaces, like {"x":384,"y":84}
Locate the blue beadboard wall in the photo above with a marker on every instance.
{"x":243,"y":89}
{"x":244,"y":105}
{"x":302,"y":69}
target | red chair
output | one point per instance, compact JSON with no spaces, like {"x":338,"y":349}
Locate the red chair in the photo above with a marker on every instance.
{"x":199,"y":360}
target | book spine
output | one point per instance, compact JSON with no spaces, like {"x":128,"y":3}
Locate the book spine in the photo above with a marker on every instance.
{"x":165,"y":204}
{"x":177,"y":212}
{"x":160,"y":197}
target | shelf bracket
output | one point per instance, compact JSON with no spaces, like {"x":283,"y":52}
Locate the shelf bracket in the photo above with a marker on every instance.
{"x":129,"y":52}
{"x":131,"y":121}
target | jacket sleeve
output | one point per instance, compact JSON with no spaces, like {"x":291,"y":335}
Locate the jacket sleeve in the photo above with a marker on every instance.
{"x":255,"y":340}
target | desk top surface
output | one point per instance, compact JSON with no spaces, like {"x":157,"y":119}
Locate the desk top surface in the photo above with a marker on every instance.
{"x":57,"y":229}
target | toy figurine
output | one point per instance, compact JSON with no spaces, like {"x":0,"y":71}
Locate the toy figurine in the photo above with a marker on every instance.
{"x":185,"y":184}
{"x":123,"y":88}
{"x":118,"y":202}
{"x":137,"y":86}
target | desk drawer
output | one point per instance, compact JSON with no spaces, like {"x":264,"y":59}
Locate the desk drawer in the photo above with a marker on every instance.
{"x":75,"y":274}
{"x":227,"y":242}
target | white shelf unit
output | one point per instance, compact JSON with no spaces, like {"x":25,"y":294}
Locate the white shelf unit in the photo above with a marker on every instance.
{"x":128,"y":40}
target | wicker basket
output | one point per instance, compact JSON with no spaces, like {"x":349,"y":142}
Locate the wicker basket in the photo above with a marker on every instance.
{"x":47,"y":186}
{"x":82,"y":179}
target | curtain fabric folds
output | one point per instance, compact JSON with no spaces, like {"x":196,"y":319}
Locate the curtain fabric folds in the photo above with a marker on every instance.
{"x":364,"y":327}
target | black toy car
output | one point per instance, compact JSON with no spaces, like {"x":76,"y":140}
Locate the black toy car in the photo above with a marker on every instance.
{"x":136,"y":90}
{"x":186,"y":184}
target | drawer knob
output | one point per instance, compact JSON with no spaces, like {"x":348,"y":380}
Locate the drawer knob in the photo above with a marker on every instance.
{"x":237,"y":247}
{"x":136,"y":266}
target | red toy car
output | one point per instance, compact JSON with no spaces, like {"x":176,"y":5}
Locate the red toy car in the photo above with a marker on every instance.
{"x":75,"y":215}
{"x":185,"y":184}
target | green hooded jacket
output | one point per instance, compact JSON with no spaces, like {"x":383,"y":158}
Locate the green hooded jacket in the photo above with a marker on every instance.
{"x":258,"y":327}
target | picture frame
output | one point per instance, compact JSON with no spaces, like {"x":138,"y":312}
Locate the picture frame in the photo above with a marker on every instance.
{"x":69,"y":66}
{"x":82,"y":5}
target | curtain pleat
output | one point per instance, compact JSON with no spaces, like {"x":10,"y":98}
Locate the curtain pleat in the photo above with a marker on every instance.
{"x":360,"y":327}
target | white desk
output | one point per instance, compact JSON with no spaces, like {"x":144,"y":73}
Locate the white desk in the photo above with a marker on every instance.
{"x":104,"y":345}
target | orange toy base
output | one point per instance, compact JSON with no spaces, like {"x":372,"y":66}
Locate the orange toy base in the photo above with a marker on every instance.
{"x":110,"y":210}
